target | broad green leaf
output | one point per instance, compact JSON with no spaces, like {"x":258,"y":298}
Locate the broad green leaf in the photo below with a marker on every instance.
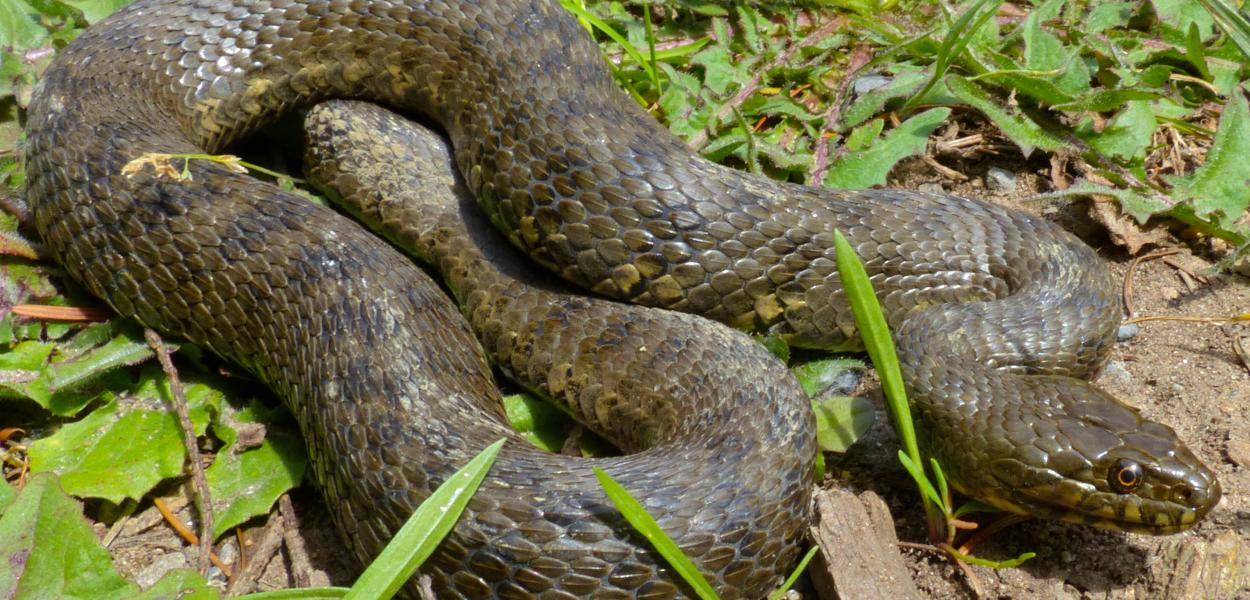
{"x":841,"y":420}
{"x":112,"y":454}
{"x":1106,"y":15}
{"x":1218,"y":189}
{"x":1134,"y":203}
{"x":246,"y":484}
{"x":862,"y":137}
{"x":721,"y":75}
{"x":538,"y":421}
{"x":1022,"y":130}
{"x":905,"y":82}
{"x":1181,"y":14}
{"x":19,"y":26}
{"x":428,"y":525}
{"x":1044,"y":52}
{"x":818,"y":376}
{"x":869,"y":167}
{"x":1126,"y":136}
{"x":94,"y":10}
{"x":47,"y":549}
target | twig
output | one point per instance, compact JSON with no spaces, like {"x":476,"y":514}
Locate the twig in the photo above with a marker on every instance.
{"x":186,"y":534}
{"x":203,"y":501}
{"x":1233,"y":319}
{"x":820,"y":161}
{"x":1128,"y":277}
{"x":301,"y":567}
{"x":264,"y":552}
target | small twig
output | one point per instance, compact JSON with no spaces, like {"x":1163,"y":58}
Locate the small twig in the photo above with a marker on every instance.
{"x":186,"y":534}
{"x":60,"y":313}
{"x":1233,"y":319}
{"x":1132,"y":269}
{"x":301,"y":567}
{"x":128,"y":510}
{"x":203,"y":500}
{"x":270,"y":539}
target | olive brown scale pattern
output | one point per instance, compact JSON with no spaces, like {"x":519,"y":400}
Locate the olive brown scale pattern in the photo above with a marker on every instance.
{"x":642,"y":377}
{"x":354,"y":338}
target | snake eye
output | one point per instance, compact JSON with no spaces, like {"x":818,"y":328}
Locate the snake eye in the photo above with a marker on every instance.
{"x":1125,"y":475}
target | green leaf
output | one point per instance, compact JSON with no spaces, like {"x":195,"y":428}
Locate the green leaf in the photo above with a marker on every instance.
{"x":1106,"y":15}
{"x":1181,"y":14}
{"x":94,"y":10}
{"x":246,"y":484}
{"x":646,"y":525}
{"x":1136,"y":204}
{"x":869,"y":167}
{"x":903,"y":84}
{"x":776,"y":345}
{"x":49,"y":551}
{"x":1126,"y":136}
{"x":841,"y":420}
{"x":1218,"y":189}
{"x":818,"y":376}
{"x":1022,"y":130}
{"x":1103,"y":100}
{"x":19,"y":26}
{"x":721,"y":75}
{"x":428,"y":525}
{"x":1044,"y":52}
{"x":112,"y":454}
{"x":917,"y":474}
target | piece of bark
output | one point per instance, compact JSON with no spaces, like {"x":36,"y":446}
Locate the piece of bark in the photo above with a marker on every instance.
{"x":859,"y":552}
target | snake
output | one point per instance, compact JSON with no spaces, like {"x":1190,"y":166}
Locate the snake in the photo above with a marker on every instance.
{"x":1000,"y":317}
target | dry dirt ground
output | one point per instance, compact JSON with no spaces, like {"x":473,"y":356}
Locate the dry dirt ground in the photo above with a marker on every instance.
{"x":1184,"y":374}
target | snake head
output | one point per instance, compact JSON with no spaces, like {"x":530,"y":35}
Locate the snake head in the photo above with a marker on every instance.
{"x":1094,"y":460}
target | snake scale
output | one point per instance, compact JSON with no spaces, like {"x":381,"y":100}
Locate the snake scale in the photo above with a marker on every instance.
{"x":997,"y":315}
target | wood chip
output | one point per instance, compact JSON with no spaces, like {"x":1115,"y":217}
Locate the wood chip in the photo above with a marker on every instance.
{"x":861,"y":557}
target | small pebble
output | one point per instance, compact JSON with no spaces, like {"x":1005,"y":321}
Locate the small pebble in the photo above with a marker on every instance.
{"x":1115,"y":373}
{"x":158,"y":566}
{"x":1239,"y":453}
{"x":1177,"y":389}
{"x":931,"y":188}
{"x":1000,"y":179}
{"x":1171,"y":294}
{"x":1127,"y":332}
{"x":869,"y":82}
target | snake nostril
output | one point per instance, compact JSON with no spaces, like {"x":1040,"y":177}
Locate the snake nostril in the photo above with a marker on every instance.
{"x":1182,"y":494}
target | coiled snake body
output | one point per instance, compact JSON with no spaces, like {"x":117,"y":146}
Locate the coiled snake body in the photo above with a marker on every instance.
{"x":994,"y":312}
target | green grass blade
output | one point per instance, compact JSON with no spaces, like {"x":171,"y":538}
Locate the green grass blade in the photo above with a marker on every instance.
{"x":956,"y":40}
{"x":794,"y":575}
{"x":637,"y":516}
{"x":876,"y":334}
{"x":1231,"y":23}
{"x":602,"y":26}
{"x":917,"y":474}
{"x":431,"y":522}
